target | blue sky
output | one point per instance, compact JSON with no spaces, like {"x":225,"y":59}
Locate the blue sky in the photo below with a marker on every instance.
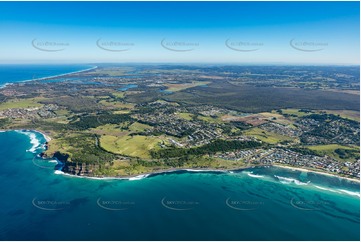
{"x":198,"y":32}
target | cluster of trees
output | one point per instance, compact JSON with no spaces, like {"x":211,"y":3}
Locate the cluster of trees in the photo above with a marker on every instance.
{"x":235,"y":128}
{"x":241,"y":125}
{"x":147,"y":163}
{"x":211,"y":148}
{"x":87,"y":122}
{"x":303,"y":151}
{"x":332,"y":117}
{"x":347,"y":153}
{"x":84,"y":150}
{"x":322,"y":117}
{"x":4,"y":121}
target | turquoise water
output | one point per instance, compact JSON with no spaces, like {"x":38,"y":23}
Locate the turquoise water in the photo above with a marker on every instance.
{"x":16,"y":73}
{"x":38,"y":204}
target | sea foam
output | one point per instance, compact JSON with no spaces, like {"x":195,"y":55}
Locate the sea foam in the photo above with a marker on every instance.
{"x":203,"y":170}
{"x":350,"y":193}
{"x":327,"y":189}
{"x":253,"y":175}
{"x":59,"y":172}
{"x":287,"y":180}
{"x":33,"y":140}
{"x":138,"y":177}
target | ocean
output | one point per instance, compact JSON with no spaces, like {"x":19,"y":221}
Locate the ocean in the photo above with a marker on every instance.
{"x":264,"y":203}
{"x":18,"y":73}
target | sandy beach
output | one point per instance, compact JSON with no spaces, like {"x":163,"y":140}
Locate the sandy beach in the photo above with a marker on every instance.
{"x":48,"y":77}
{"x":47,"y":138}
{"x":318,"y":172}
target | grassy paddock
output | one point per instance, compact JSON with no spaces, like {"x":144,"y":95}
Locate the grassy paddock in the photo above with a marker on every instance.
{"x":136,"y":146}
{"x":330,"y":149}
{"x":265,"y":136}
{"x":21,"y":103}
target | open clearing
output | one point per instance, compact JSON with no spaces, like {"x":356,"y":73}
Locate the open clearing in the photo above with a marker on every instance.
{"x":21,"y":103}
{"x":265,"y":136}
{"x":136,"y":146}
{"x":183,"y":86}
{"x":330,"y":150}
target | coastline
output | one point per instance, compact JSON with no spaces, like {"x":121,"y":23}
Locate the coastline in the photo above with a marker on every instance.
{"x":48,"y":77}
{"x":173,"y":170}
{"x":196,"y":170}
{"x":144,"y":175}
{"x":317,"y":172}
{"x":46,"y":137}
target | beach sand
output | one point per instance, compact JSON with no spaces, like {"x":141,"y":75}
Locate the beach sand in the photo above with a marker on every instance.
{"x":318,"y":172}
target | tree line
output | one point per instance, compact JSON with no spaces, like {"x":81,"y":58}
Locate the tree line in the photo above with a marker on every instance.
{"x":211,"y":148}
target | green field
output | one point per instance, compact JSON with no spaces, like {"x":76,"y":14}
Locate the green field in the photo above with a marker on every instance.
{"x":136,"y":146}
{"x":116,"y":105}
{"x":266,"y":136}
{"x":110,"y":129}
{"x":21,"y":103}
{"x":139,"y":127}
{"x":330,"y":150}
{"x":183,"y":86}
{"x":118,"y":94}
{"x":186,"y":116}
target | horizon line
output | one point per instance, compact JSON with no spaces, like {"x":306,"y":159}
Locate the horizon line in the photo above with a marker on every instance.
{"x":183,"y":63}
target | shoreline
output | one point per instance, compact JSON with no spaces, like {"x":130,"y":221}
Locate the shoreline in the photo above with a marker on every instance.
{"x":145,"y":175}
{"x":195,"y":170}
{"x":317,"y":172}
{"x":46,"y":137}
{"x":48,"y":77}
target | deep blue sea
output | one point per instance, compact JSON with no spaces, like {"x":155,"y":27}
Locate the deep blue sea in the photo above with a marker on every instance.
{"x":256,"y":204}
{"x":17,"y":73}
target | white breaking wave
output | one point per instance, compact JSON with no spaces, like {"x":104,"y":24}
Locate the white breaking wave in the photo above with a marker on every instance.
{"x":284,"y":180}
{"x":340,"y":191}
{"x":194,"y":170}
{"x":326,"y":189}
{"x":33,"y":140}
{"x":297,"y":182}
{"x":350,"y":193}
{"x":59,"y":172}
{"x":287,"y":180}
{"x":138,"y":177}
{"x":53,"y":161}
{"x":204,"y":170}
{"x":253,"y":175}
